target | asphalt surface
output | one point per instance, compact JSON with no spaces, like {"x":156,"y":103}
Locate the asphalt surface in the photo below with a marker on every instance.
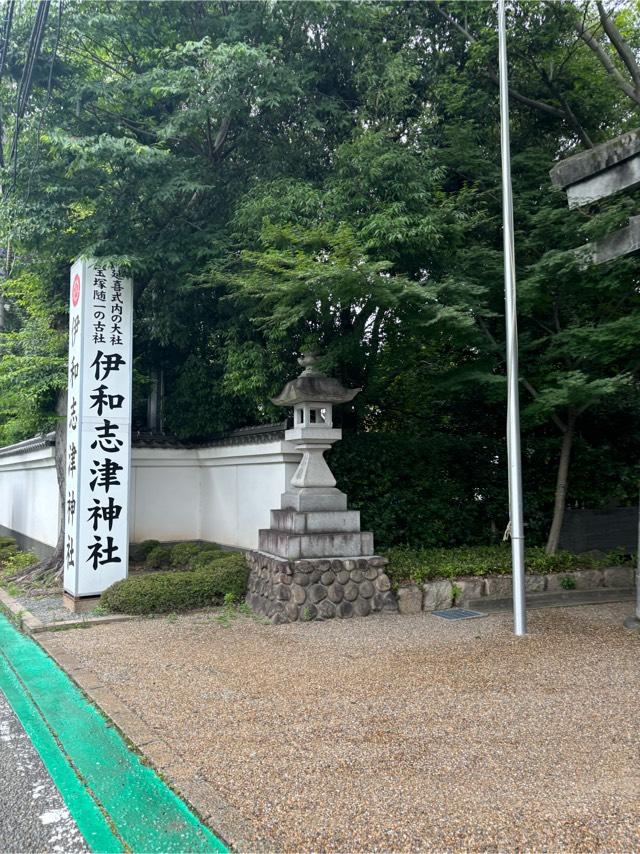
{"x":33,"y":816}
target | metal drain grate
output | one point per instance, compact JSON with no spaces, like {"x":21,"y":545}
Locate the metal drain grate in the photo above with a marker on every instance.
{"x":458,"y":614}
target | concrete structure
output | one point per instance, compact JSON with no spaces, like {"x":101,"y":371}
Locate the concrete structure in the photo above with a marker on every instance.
{"x":314,"y":562}
{"x":98,"y":452}
{"x":600,"y":172}
{"x":221,"y":491}
{"x":313,"y":520}
{"x":624,"y":241}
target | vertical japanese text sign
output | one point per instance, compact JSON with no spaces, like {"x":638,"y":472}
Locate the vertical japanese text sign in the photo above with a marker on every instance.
{"x":98,"y":429}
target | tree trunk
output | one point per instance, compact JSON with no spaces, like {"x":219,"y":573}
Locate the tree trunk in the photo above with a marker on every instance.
{"x":54,"y":564}
{"x":561,"y":485}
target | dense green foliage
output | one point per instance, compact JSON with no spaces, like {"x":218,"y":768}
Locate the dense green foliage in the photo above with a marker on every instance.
{"x":406,"y":564}
{"x":158,"y":557}
{"x":166,"y":592}
{"x":422,"y":488}
{"x":138,"y":552}
{"x":277,"y":175}
{"x":194,"y":555}
{"x":12,"y":559}
{"x":185,"y":555}
{"x":8,"y":546}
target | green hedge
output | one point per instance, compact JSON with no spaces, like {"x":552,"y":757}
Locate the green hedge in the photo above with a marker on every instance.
{"x":406,"y":564}
{"x":432,"y":489}
{"x":417,"y":490}
{"x":164,"y":592}
{"x":139,"y":552}
{"x":13,"y":560}
{"x":187,"y":555}
{"x":190,"y":555}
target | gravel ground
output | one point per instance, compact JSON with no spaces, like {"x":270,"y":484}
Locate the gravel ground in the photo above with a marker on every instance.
{"x":49,"y":609}
{"x":397,"y":733}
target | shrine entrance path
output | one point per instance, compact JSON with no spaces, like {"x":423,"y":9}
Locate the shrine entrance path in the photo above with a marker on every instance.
{"x":387,"y":733}
{"x":118,"y":803}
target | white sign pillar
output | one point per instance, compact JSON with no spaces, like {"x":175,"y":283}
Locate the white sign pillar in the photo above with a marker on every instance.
{"x":98,"y":429}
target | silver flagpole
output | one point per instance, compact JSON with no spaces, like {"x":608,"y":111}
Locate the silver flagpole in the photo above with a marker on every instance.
{"x":513,"y":406}
{"x":638,"y":570}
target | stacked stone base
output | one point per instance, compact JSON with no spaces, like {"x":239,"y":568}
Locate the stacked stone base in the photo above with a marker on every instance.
{"x":318,"y":588}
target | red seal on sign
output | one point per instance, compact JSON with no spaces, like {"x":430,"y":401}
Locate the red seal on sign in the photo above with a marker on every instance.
{"x":75,"y":290}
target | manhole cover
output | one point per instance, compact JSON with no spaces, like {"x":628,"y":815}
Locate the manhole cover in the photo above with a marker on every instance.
{"x":458,"y":614}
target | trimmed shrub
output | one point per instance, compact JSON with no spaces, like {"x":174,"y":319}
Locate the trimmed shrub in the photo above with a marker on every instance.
{"x":210,"y":557}
{"x":406,"y":564}
{"x":158,"y":558}
{"x":139,"y":552}
{"x":187,"y":555}
{"x":165,"y":592}
{"x":8,"y":547}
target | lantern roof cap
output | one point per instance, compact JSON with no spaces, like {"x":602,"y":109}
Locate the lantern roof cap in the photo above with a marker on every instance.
{"x":312,"y":386}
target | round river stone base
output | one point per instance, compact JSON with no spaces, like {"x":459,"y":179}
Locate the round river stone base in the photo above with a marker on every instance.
{"x":318,"y":588}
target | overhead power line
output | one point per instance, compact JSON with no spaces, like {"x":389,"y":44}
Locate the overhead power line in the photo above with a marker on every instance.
{"x":24,"y":87}
{"x":47,"y":99}
{"x":6,"y":32}
{"x":4,"y":49}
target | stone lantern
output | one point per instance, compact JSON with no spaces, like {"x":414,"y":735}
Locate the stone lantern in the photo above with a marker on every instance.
{"x":312,"y":396}
{"x":314,"y":562}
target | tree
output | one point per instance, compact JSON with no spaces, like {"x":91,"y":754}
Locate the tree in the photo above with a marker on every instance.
{"x":272,"y":173}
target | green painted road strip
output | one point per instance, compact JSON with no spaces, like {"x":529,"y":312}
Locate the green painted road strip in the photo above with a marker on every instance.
{"x":119,"y":803}
{"x":91,"y":822}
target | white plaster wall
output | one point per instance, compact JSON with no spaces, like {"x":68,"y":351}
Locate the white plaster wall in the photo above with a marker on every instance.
{"x":29,"y":495}
{"x":164,"y":498}
{"x":222,"y":493}
{"x":239,"y":486}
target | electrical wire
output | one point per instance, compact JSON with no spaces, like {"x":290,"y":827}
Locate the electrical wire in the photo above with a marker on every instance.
{"x":24,"y":87}
{"x":47,"y":99}
{"x":6,"y":32}
{"x":41,"y":19}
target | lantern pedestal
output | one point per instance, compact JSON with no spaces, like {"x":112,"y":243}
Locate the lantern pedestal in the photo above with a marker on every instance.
{"x":315,"y":534}
{"x":318,"y":589}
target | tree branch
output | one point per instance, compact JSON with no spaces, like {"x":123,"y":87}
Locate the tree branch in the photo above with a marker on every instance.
{"x":571,"y":116}
{"x":221,"y":136}
{"x":525,"y":382}
{"x":607,"y":62}
{"x":624,"y":51}
{"x":554,"y":416}
{"x":209,"y":140}
{"x":517,"y":96}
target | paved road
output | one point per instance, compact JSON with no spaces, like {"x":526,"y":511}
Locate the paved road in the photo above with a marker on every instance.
{"x":33,"y":816}
{"x":118,"y":801}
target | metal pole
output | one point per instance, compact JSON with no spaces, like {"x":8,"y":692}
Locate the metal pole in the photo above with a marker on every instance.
{"x":513,"y":406}
{"x":638,"y":569}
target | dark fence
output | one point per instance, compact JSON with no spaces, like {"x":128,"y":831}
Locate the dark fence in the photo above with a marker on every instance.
{"x":584,"y":530}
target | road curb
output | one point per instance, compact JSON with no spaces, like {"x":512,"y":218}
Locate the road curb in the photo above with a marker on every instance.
{"x":79,"y":731}
{"x":33,"y":625}
{"x":225,"y":821}
{"x":19,"y":613}
{"x":229,"y":824}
